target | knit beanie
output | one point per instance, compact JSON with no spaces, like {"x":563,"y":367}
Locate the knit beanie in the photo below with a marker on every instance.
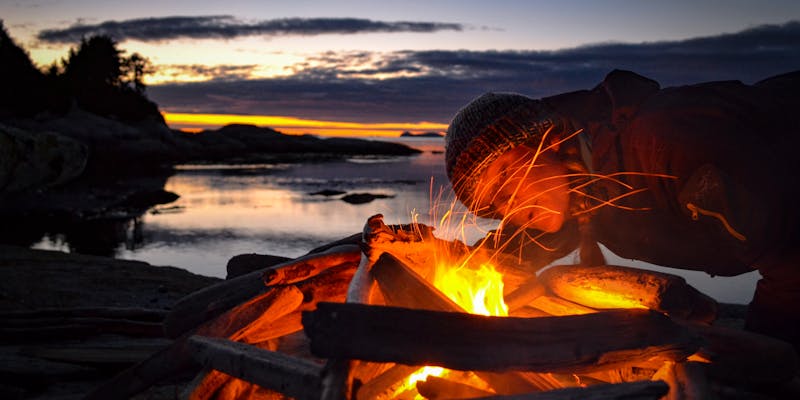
{"x":485,"y":129}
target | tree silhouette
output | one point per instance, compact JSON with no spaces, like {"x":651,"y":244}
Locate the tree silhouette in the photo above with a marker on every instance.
{"x":97,"y":63}
{"x":21,"y":83}
{"x":104,"y":82}
{"x":135,"y":67}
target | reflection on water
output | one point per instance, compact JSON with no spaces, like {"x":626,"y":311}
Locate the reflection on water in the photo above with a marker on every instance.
{"x":225,"y":210}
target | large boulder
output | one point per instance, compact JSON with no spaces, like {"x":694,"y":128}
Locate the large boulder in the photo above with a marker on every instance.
{"x":31,"y":160}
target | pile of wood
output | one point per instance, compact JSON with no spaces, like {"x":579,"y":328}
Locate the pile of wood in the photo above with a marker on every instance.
{"x":356,"y":320}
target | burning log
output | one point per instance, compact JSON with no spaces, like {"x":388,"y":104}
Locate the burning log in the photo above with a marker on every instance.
{"x":337,"y":376}
{"x":255,"y":315}
{"x":205,"y":385}
{"x":285,"y":374}
{"x":571,"y":344}
{"x":401,"y":286}
{"x":557,"y":306}
{"x":435,"y":388}
{"x":610,"y":286}
{"x":210,"y":302}
{"x":525,"y":294}
{"x":377,"y":387}
{"x":642,"y":390}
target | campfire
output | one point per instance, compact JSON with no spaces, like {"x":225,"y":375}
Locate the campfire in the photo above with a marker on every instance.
{"x":397,"y":313}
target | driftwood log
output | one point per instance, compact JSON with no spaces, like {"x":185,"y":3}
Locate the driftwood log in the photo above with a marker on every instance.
{"x":291,"y":376}
{"x":210,"y":302}
{"x":435,"y":388}
{"x":611,"y":286}
{"x":571,"y":344}
{"x":686,"y":380}
{"x":642,"y":390}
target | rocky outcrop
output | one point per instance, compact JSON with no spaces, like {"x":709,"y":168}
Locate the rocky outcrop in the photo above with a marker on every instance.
{"x":38,"y":160}
{"x":258,"y":143}
{"x":36,"y":279}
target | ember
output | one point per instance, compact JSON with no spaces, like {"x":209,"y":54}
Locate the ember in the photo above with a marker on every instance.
{"x":395,"y":318}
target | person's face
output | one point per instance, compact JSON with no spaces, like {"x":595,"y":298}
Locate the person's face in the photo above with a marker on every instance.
{"x":526,"y":193}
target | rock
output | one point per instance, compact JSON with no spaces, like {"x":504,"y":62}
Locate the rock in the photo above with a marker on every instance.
{"x":249,"y":141}
{"x":245,"y":263}
{"x":31,"y":161}
{"x":34,"y":279}
{"x":423,"y":134}
{"x":361,"y":198}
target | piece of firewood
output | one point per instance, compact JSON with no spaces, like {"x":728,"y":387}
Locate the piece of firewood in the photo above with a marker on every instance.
{"x":291,"y":376}
{"x":337,"y":379}
{"x":205,"y":385}
{"x":254,"y":313}
{"x":569,"y":344}
{"x":435,"y":388}
{"x":212,"y":301}
{"x":558,"y":307}
{"x":745,"y":358}
{"x":377,"y":388}
{"x":292,"y":272}
{"x":524,"y":294}
{"x":686,"y":380}
{"x":401,"y":286}
{"x":516,"y":382}
{"x":642,"y":390}
{"x":611,"y":286}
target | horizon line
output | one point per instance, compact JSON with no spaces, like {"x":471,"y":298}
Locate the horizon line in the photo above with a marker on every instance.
{"x":297,"y":126}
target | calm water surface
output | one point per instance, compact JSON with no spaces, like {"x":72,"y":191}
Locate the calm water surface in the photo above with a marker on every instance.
{"x":227,"y":210}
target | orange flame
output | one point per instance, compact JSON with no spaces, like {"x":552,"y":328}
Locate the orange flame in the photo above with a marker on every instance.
{"x":478,"y":291}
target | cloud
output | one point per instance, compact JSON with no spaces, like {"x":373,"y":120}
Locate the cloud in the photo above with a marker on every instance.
{"x":227,"y":27}
{"x":409,"y":86}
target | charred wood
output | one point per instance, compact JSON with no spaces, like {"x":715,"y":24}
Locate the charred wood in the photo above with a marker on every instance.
{"x":291,"y":376}
{"x":642,"y":390}
{"x":401,"y":286}
{"x":435,"y":388}
{"x":686,"y":380}
{"x":212,"y":301}
{"x":378,"y":387}
{"x":460,"y":341}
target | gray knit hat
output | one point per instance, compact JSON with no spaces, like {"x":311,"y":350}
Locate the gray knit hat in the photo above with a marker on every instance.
{"x":485,"y":129}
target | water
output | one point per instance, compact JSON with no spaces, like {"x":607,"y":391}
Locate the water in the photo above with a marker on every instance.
{"x":227,"y":210}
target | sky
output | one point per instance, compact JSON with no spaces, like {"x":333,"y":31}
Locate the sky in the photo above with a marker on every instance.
{"x":382,"y":67}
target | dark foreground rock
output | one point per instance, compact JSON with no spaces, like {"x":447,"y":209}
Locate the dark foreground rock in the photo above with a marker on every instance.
{"x":34,"y":279}
{"x":69,"y":322}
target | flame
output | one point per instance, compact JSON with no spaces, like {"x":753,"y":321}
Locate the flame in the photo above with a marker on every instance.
{"x":478,"y":291}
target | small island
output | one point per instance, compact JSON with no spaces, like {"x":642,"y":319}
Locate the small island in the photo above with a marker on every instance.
{"x":423,"y":134}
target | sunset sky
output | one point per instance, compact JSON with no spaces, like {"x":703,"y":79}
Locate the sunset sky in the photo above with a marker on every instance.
{"x":381,"y":67}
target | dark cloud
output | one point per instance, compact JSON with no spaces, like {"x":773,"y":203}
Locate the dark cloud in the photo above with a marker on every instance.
{"x":226,"y":27}
{"x":435,"y":84}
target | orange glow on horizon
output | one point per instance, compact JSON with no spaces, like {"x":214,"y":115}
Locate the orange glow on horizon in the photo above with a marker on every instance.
{"x":297,"y":126}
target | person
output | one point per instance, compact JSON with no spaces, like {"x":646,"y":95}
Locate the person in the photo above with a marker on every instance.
{"x":702,"y":177}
